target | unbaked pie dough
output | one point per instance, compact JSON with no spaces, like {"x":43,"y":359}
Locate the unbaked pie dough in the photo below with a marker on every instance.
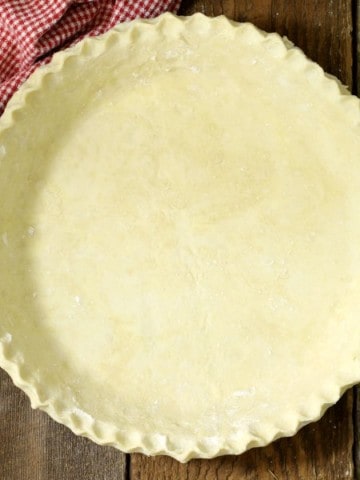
{"x":180,"y":238}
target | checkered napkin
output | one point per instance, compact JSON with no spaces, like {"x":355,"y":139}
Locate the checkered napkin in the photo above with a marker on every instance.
{"x":32,"y":30}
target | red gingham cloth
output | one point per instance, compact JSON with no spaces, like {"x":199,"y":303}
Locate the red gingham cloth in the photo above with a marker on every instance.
{"x":32,"y":30}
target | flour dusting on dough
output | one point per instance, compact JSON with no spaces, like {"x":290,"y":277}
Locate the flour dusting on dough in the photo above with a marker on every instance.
{"x":83,"y":415}
{"x":31,"y":231}
{"x":244,"y":393}
{"x":5,"y":239}
{"x":7,"y":338}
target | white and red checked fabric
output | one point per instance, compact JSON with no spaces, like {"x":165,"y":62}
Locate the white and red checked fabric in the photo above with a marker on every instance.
{"x":32,"y":30}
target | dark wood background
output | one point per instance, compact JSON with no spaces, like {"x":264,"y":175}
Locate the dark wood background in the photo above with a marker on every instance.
{"x":33,"y":447}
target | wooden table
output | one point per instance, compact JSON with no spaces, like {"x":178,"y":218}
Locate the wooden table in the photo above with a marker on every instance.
{"x":33,"y":447}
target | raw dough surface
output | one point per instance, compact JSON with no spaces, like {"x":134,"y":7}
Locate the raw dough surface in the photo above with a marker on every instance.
{"x":186,"y":212}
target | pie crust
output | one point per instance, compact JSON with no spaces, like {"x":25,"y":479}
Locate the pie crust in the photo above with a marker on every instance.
{"x":179,"y":238}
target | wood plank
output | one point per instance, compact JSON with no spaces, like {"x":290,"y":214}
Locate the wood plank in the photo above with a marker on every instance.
{"x":34,"y":447}
{"x":323,"y":29}
{"x":357,"y":433}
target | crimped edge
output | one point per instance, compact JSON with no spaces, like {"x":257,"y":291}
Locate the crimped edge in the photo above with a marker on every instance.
{"x":158,"y":444}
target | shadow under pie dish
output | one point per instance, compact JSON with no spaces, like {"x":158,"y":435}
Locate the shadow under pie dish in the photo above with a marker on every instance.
{"x":179,"y":226}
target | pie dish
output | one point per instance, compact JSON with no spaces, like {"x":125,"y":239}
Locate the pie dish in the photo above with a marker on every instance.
{"x":179,"y":226}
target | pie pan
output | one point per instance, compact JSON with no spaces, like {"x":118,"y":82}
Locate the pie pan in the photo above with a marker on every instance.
{"x":179,"y":238}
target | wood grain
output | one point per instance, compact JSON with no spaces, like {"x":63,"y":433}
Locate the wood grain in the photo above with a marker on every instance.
{"x":34,"y":447}
{"x":356,"y":447}
{"x":324,"y":450}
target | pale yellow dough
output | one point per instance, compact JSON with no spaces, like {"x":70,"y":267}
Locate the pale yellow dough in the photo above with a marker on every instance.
{"x":180,"y":231}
